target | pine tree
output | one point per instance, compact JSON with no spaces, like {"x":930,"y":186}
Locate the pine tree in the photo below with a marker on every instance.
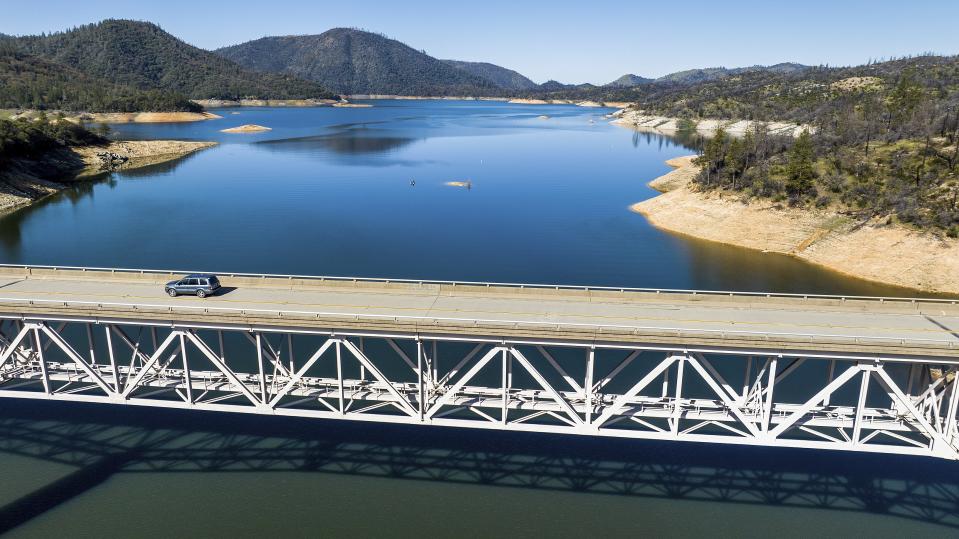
{"x":800,"y":165}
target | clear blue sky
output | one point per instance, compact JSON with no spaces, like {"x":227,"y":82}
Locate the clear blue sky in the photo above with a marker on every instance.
{"x":583,"y":41}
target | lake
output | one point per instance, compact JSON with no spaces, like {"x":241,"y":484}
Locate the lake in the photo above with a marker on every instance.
{"x":331,"y":191}
{"x":363,"y":192}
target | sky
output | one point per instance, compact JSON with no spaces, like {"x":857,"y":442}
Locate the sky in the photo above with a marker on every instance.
{"x":573,"y":42}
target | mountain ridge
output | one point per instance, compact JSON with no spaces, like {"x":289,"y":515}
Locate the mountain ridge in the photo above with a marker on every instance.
{"x":351,"y":61}
{"x":144,"y":56}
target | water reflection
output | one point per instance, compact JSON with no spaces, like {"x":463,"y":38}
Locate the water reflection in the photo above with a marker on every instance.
{"x":348,"y":143}
{"x":104,"y":440}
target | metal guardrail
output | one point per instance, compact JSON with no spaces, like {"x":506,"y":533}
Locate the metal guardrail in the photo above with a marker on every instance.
{"x":584,"y":288}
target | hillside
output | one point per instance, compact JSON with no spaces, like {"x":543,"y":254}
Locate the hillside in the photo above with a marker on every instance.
{"x":350,"y":61}
{"x":692,"y":76}
{"x":628,"y":81}
{"x":141,"y":55}
{"x":885,"y":143}
{"x":500,"y":76}
{"x":34,"y":83}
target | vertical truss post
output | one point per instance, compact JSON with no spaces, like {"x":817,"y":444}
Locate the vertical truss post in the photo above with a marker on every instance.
{"x":436,"y":360}
{"x":289,"y":348}
{"x":678,"y":401}
{"x":505,"y":377}
{"x":829,"y":377}
{"x":860,"y":407}
{"x":219,"y":342}
{"x":770,"y":388}
{"x":746,"y":377}
{"x":186,"y":370}
{"x":90,"y":346}
{"x":420,"y":376}
{"x":259,"y":366}
{"x":362,"y":366}
{"x":43,"y":362}
{"x":339,"y":376}
{"x":953,"y":404}
{"x":588,"y":386}
{"x":107,"y":330}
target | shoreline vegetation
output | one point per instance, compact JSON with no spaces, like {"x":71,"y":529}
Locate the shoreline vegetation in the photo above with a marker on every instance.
{"x":874,"y":250}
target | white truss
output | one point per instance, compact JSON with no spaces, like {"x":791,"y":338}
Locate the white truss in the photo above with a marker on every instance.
{"x":888,"y":405}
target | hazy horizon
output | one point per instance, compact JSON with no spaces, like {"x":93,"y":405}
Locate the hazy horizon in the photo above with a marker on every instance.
{"x":562,"y":41}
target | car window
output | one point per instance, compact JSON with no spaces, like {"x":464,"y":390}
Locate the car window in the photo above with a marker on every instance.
{"x":203,"y":282}
{"x":181,"y":282}
{"x":191,"y":282}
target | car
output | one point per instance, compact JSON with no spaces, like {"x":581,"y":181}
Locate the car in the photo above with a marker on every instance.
{"x":199,"y":284}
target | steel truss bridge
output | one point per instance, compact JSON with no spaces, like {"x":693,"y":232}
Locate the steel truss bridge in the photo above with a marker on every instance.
{"x":824,"y":372}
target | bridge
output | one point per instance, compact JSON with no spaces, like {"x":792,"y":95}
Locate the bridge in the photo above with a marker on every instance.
{"x":786,"y":370}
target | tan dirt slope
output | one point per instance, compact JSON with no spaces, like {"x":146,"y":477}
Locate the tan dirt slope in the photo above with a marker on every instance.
{"x":890,"y":254}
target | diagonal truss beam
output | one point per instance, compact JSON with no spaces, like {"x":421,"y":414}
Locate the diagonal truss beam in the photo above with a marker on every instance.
{"x":560,"y":400}
{"x":223,"y":368}
{"x":299,"y":374}
{"x":76,"y":358}
{"x":365,"y":361}
{"x":130,"y":385}
{"x":814,"y":401}
{"x":448,"y":395}
{"x":623,"y":399}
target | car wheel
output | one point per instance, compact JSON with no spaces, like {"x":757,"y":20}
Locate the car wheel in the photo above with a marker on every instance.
{"x":172,"y":293}
{"x":201,"y":293}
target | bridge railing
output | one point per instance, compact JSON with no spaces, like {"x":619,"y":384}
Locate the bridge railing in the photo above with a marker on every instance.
{"x":52,"y":271}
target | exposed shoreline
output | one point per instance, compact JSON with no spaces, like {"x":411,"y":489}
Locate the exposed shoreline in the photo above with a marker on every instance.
{"x":641,"y":121}
{"x":293,"y":103}
{"x":127,"y":117}
{"x":25,"y":183}
{"x":890,"y":254}
{"x":512,"y":100}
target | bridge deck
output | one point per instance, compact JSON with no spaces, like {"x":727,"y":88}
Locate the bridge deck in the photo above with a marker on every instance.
{"x":852,"y":325}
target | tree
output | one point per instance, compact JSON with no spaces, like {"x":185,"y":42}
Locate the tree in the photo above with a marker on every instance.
{"x":713,"y":155}
{"x":800,"y":165}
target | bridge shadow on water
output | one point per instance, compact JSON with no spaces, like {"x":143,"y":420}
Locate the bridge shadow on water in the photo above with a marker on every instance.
{"x":101,"y":441}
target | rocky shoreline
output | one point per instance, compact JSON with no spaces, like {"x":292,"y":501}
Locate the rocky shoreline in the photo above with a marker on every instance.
{"x":641,"y":121}
{"x":891,"y":254}
{"x":25,"y":182}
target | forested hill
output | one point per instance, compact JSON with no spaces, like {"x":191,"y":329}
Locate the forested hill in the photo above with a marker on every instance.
{"x":34,"y":83}
{"x":885,"y":141}
{"x":500,"y":76}
{"x":350,"y":61}
{"x":809,"y":96}
{"x":143,"y":56}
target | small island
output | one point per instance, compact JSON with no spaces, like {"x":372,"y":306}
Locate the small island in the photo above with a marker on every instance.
{"x":247,"y":128}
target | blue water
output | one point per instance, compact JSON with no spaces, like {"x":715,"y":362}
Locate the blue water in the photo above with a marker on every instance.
{"x":330,"y":191}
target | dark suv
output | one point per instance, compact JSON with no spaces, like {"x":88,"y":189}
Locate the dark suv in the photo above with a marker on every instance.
{"x":199,"y":284}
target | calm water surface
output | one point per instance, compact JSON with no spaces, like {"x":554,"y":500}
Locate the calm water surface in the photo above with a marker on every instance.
{"x":330,"y":191}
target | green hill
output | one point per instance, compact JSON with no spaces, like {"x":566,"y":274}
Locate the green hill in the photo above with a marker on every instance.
{"x":628,"y":81}
{"x":141,"y":55}
{"x":34,"y":83}
{"x":500,"y":76}
{"x":350,"y":61}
